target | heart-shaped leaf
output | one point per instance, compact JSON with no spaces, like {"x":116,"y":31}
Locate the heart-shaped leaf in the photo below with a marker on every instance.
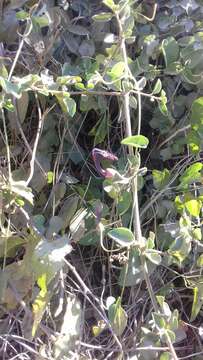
{"x":117,"y":317}
{"x":122,"y":236}
{"x":137,"y":141}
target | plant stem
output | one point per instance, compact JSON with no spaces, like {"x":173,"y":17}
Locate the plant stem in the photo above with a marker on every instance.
{"x":136,"y":214}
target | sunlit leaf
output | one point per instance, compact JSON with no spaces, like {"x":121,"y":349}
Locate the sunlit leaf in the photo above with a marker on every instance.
{"x":160,"y":178}
{"x":197,"y":301}
{"x":153,"y":256}
{"x":117,"y":70}
{"x":157,"y":87}
{"x":50,"y":177}
{"x":97,"y":329}
{"x":103,"y":16}
{"x":200,"y":261}
{"x":137,"y":141}
{"x":20,"y":188}
{"x":197,"y":233}
{"x":191,"y":174}
{"x":193,"y":206}
{"x":117,"y":317}
{"x":40,"y":303}
{"x":67,"y":104}
{"x":111,"y":4}
{"x":122,"y":236}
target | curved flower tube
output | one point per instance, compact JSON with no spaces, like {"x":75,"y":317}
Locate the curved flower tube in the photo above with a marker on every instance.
{"x":98,"y":155}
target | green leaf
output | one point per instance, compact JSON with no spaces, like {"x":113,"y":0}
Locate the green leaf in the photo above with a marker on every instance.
{"x":10,"y":88}
{"x":22,"y":15}
{"x":197,"y":113}
{"x":200,"y":261}
{"x":133,"y":102}
{"x":67,"y":104}
{"x":151,"y":240}
{"x":70,"y":106}
{"x":124,"y":202}
{"x":40,"y":303}
{"x":122,"y":236}
{"x":11,"y":243}
{"x":117,"y":70}
{"x":101,"y":131}
{"x":153,"y":256}
{"x":132,"y":273}
{"x":181,"y":247}
{"x":197,"y":301}
{"x":83,"y":228}
{"x":58,"y":193}
{"x":42,"y":21}
{"x":197,"y":233}
{"x":166,"y":356}
{"x":3,"y":71}
{"x":170,"y":50}
{"x":190,"y":175}
{"x":160,"y":178}
{"x":20,"y":188}
{"x":48,"y":257}
{"x":55,"y":225}
{"x":111,"y":4}
{"x":102,"y":17}
{"x":193,"y":207}
{"x":157,"y":87}
{"x":78,"y":30}
{"x":97,"y":329}
{"x":117,"y":317}
{"x":159,"y":321}
{"x":163,"y":103}
{"x":137,"y":141}
{"x":68,"y":210}
{"x":171,"y":335}
{"x":50,"y":177}
{"x":39,"y":221}
{"x":164,"y":306}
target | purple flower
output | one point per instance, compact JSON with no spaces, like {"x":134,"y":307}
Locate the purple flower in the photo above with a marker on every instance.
{"x":98,"y":155}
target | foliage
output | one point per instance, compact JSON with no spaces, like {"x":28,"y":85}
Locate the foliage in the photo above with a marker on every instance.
{"x":81,"y":233}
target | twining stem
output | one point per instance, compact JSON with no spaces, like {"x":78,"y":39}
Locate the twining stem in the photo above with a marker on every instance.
{"x":136,"y":214}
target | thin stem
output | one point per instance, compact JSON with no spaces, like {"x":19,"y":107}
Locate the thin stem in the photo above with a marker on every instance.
{"x":7,"y":145}
{"x":136,"y":214}
{"x":27,"y":32}
{"x":39,"y":129}
{"x":23,"y":136}
{"x":185,"y":128}
{"x":100,"y":93}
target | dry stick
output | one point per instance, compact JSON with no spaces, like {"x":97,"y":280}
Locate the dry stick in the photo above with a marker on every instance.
{"x":39,"y":130}
{"x":88,"y":291}
{"x":27,"y":32}
{"x":40,"y":125}
{"x":187,"y":127}
{"x":24,"y":137}
{"x":136,"y":216}
{"x":10,"y":179}
{"x":158,"y":194}
{"x":7,"y":145}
